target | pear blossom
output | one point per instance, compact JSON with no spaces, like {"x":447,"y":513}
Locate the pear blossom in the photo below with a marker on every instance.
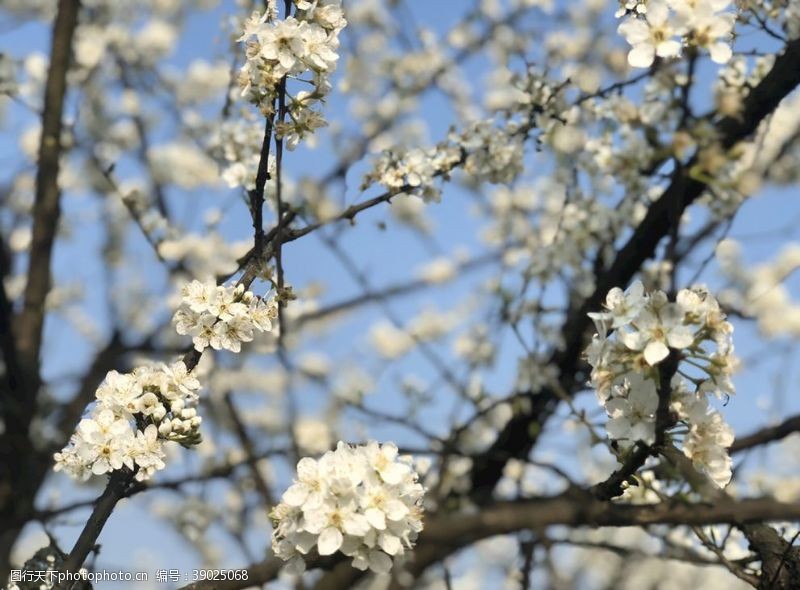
{"x":302,"y":44}
{"x":134,"y":415}
{"x":222,"y":317}
{"x":362,"y":501}
{"x":663,"y":29}
{"x":657,"y":331}
{"x":308,"y":488}
{"x":626,"y":367}
{"x":708,"y":28}
{"x":622,"y":306}
{"x":651,"y":37}
{"x":633,"y":416}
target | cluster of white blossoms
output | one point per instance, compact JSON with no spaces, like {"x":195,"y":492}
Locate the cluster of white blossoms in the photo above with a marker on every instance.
{"x":222,"y":317}
{"x":662,"y":28}
{"x":135,"y":414}
{"x":237,"y":145}
{"x":627,"y":364}
{"x":412,"y":172}
{"x":363,"y":501}
{"x":278,"y":49}
{"x":488,"y":154}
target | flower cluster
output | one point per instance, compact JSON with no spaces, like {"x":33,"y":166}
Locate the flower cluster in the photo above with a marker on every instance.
{"x":662,"y":28}
{"x":237,"y":144}
{"x":277,"y":49}
{"x":412,"y":172}
{"x":364,"y":501}
{"x":494,"y":155}
{"x":626,"y":371}
{"x":222,"y":317}
{"x":488,"y":154}
{"x":135,"y":413}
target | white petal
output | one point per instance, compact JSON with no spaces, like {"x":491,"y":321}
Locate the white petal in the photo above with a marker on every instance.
{"x":304,"y":541}
{"x":395,"y":509}
{"x":641,"y":56}
{"x":307,"y":469}
{"x":643,"y":431}
{"x":655,"y":352}
{"x":376,"y":518}
{"x":314,"y":521}
{"x":680,"y":337}
{"x":379,"y":562}
{"x":633,"y":340}
{"x":657,"y":13}
{"x":617,"y":407}
{"x":669,"y":48}
{"x":635,"y":31}
{"x":296,"y":494}
{"x":646,"y":399}
{"x":356,"y":525}
{"x":618,"y":428}
{"x":720,"y":52}
{"x":394,"y":473}
{"x":390,"y":544}
{"x":329,"y":541}
{"x":100,"y":467}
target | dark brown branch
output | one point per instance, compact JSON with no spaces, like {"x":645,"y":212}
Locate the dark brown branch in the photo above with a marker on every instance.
{"x":444,"y":535}
{"x":257,"y":194}
{"x":46,"y":207}
{"x":118,"y":484}
{"x":767,"y":435}
{"x":18,"y":470}
{"x":613,"y":486}
{"x":780,"y":561}
{"x":516,"y":438}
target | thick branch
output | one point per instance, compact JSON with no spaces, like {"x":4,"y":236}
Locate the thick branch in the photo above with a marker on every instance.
{"x":46,"y":207}
{"x":447,"y":534}
{"x":780,"y":561}
{"x":767,"y":435}
{"x":18,"y":472}
{"x":516,"y":439}
{"x":115,"y":490}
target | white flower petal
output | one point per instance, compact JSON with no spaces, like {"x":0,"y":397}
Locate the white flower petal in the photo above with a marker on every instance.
{"x":329,"y":541}
{"x":641,"y":56}
{"x":655,"y":352}
{"x":390,"y":544}
{"x":680,"y":337}
{"x":720,"y":53}
{"x":395,"y":510}
{"x":356,"y":525}
{"x":379,"y":562}
{"x":296,"y":494}
{"x":376,"y":518}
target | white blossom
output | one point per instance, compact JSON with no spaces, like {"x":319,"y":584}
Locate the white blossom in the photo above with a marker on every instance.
{"x":222,"y":317}
{"x":306,"y":43}
{"x":663,"y":29}
{"x":627,"y":365}
{"x":134,"y":415}
{"x":363,"y":501}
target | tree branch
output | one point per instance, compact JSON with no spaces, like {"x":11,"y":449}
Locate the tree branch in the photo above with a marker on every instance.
{"x":443,"y":535}
{"x":118,"y":484}
{"x":18,"y":473}
{"x":516,"y":439}
{"x":767,"y":435}
{"x":46,"y":207}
